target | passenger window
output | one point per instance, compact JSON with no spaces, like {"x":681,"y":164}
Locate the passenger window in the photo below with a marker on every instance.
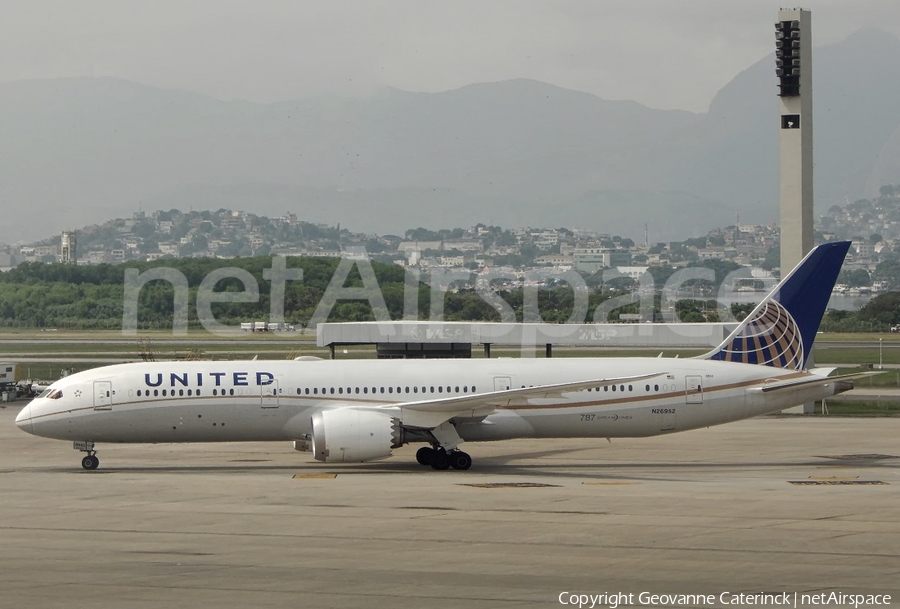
{"x":440,"y":389}
{"x":606,"y":388}
{"x":390,"y":390}
{"x":155,"y":392}
{"x":473,"y":389}
{"x":647,"y":388}
{"x":415,"y":390}
{"x":630,"y":388}
{"x":432,"y":389}
{"x":315,"y":391}
{"x":164,"y":392}
{"x":231,"y":391}
{"x":340,"y":390}
{"x":656,"y":388}
{"x":139,"y":393}
{"x":357,"y":390}
{"x":457,"y":389}
{"x":614,"y":387}
{"x":465,"y":389}
{"x":382,"y":390}
{"x":190,"y":392}
{"x":365,"y":390}
{"x":198,"y":392}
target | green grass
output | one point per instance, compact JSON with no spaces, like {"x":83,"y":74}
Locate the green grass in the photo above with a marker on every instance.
{"x":856,"y":355}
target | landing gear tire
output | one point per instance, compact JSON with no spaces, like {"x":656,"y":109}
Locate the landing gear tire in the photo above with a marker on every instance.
{"x":460,"y":460}
{"x":425,"y":455}
{"x":440,"y":460}
{"x":90,"y":462}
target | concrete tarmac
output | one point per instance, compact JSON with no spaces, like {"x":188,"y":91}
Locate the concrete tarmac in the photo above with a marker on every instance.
{"x":229,"y":525}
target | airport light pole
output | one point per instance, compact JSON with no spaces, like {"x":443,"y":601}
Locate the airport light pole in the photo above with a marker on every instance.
{"x":881,"y":354}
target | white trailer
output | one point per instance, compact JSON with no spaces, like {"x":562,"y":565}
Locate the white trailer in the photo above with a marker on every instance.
{"x":7,"y":374}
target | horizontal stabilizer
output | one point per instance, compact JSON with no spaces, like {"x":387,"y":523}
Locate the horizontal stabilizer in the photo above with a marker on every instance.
{"x":842,"y":382}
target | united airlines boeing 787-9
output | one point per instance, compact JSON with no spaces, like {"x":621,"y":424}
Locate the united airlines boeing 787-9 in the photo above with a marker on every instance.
{"x":354,"y":411}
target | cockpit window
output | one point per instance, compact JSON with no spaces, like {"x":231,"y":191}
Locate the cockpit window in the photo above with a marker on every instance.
{"x":45,"y":393}
{"x":55,"y":394}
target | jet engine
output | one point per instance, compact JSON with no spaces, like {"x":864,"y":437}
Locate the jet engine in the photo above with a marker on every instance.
{"x":351,"y":435}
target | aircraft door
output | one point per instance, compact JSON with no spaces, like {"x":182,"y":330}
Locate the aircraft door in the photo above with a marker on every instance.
{"x":502,"y":383}
{"x":102,"y":395}
{"x":693,"y":389}
{"x":268,"y":395}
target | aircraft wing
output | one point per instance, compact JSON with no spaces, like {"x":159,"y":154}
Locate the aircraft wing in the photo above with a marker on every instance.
{"x":431,"y":413}
{"x":842,"y":383}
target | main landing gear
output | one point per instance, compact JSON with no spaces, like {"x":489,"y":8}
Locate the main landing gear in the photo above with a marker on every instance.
{"x":443,"y":452}
{"x":440,"y":459}
{"x":90,"y":462}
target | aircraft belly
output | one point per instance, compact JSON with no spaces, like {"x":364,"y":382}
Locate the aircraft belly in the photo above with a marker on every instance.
{"x":188,"y":422}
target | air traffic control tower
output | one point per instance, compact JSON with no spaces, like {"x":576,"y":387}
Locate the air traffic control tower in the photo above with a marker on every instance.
{"x":793,"y":64}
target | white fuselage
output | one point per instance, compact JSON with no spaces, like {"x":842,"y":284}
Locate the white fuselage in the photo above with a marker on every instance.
{"x":274,"y":400}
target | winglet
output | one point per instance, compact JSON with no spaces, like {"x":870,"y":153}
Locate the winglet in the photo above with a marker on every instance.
{"x":780,"y":331}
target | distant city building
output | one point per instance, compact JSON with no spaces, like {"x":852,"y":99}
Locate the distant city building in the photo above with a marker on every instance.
{"x":67,"y":252}
{"x":593,"y":259}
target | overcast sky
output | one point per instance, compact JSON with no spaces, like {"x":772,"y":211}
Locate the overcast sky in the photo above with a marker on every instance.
{"x":663,"y":53}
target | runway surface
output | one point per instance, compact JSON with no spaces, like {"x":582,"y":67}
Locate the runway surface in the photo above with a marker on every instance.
{"x":793,"y":504}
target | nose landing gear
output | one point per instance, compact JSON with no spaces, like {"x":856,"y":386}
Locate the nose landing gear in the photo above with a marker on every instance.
{"x":91,"y":462}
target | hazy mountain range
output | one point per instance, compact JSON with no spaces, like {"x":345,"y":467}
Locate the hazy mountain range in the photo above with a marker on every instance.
{"x":514,"y":153}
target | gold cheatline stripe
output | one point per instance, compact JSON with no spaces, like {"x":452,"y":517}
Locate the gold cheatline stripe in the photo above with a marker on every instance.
{"x":645,"y":398}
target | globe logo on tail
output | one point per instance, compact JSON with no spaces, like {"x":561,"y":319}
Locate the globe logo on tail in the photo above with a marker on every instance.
{"x":771,"y":338}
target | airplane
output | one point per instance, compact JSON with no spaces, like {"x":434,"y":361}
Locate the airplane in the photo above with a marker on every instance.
{"x":352,"y":411}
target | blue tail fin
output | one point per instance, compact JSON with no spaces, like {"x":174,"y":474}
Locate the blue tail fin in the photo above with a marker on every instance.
{"x":780,"y":331}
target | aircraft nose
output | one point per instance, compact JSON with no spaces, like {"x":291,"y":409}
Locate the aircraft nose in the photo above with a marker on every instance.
{"x":23,"y":420}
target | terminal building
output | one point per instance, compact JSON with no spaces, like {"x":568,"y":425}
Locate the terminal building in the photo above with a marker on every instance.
{"x":425,"y":339}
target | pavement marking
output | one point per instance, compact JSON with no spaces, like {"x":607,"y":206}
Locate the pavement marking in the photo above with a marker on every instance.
{"x":508,"y":484}
{"x":316,"y":476}
{"x":836,"y":482}
{"x":833,"y":477}
{"x":862,"y":457}
{"x":608,"y":482}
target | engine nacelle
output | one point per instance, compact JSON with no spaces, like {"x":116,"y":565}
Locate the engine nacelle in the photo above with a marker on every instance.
{"x":350,"y":435}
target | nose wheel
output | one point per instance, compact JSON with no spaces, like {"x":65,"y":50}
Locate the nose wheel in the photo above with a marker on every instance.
{"x":91,"y":462}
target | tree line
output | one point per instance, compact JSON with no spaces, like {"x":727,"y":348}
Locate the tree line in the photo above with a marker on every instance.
{"x":40,"y":295}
